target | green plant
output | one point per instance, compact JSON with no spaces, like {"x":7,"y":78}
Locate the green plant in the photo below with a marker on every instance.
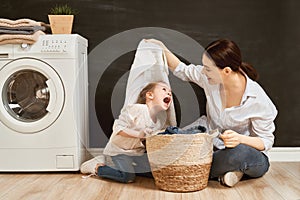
{"x":62,"y":10}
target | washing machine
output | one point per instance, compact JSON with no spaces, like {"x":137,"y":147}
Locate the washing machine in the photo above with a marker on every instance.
{"x":43,"y":104}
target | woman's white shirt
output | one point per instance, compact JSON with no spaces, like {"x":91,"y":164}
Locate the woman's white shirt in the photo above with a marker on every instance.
{"x":253,"y":117}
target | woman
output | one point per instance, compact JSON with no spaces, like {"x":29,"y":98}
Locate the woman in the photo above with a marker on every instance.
{"x":236,"y":105}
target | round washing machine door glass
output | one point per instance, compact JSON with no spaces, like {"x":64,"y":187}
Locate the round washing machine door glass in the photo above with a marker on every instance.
{"x":32,"y":95}
{"x":26,"y":95}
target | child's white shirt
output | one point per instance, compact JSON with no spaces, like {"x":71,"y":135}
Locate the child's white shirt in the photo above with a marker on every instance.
{"x":134,"y":118}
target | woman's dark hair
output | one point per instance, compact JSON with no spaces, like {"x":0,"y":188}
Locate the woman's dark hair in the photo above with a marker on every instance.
{"x":225,"y":53}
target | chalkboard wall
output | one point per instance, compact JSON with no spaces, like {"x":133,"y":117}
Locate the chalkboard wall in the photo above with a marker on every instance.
{"x":267,"y":32}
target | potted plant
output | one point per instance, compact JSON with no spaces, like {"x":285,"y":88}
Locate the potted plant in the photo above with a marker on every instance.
{"x":61,"y":19}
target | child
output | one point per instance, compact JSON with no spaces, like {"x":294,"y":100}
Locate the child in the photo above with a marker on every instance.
{"x":125,"y":146}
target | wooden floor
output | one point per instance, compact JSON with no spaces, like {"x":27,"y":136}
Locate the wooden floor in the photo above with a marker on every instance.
{"x":281,"y":182}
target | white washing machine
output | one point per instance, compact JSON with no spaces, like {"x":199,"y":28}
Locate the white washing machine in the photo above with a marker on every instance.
{"x":44,"y":104}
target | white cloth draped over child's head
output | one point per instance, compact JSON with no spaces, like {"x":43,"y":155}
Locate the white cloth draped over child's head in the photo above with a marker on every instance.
{"x":149,"y":65}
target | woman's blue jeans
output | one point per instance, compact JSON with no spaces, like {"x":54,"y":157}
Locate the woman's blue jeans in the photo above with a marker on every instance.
{"x":242,"y":158}
{"x":126,"y":168}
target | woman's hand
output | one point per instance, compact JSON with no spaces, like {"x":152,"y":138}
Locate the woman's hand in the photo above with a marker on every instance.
{"x":172,"y":60}
{"x":159,"y":43}
{"x":231,"y":138}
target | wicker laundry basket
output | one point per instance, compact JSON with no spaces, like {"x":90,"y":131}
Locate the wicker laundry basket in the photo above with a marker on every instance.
{"x":180,"y":162}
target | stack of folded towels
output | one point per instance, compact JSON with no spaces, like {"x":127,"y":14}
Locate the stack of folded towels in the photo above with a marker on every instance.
{"x":20,"y":31}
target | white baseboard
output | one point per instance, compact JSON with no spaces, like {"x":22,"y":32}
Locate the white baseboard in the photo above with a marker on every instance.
{"x":276,"y":154}
{"x":95,"y":151}
{"x":285,"y":154}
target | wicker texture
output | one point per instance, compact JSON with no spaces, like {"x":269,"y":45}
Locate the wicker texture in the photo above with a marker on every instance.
{"x":180,"y":163}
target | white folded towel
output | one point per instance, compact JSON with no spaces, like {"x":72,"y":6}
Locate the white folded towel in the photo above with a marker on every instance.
{"x":19,"y":22}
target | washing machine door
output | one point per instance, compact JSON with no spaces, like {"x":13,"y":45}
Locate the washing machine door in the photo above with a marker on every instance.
{"x":32,"y":95}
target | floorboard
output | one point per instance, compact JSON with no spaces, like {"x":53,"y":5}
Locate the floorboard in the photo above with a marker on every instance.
{"x":282,"y":182}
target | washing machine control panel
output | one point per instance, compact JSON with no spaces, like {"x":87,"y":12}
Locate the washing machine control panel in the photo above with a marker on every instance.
{"x":50,"y":46}
{"x":54,"y":45}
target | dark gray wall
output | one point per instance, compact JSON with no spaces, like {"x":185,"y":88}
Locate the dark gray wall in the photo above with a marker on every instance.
{"x":267,"y":32}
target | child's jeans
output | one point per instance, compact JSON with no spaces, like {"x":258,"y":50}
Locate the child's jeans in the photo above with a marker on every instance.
{"x":241,"y":158}
{"x":126,"y":168}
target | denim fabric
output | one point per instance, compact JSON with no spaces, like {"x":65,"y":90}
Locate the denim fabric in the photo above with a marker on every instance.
{"x":246,"y":159}
{"x":176,"y":130}
{"x":126,"y":168}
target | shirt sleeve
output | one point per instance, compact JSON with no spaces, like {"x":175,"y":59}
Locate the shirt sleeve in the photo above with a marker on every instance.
{"x":126,"y":121}
{"x":263,"y":126}
{"x":191,"y":73}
